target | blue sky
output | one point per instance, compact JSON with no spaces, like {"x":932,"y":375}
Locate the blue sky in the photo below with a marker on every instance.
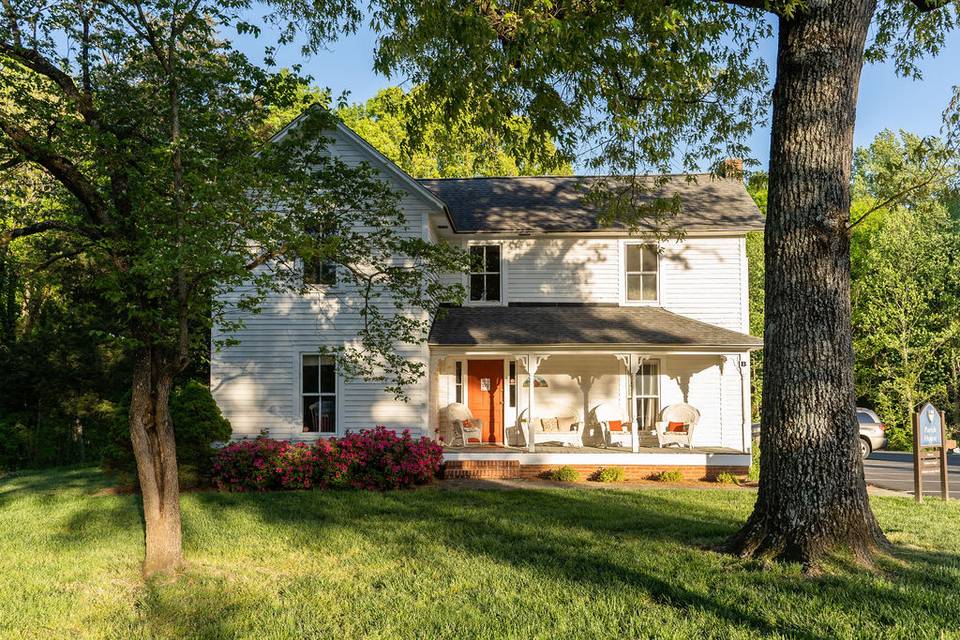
{"x":886,"y":101}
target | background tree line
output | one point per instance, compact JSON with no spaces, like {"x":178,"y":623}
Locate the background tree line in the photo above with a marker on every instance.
{"x":905,"y":267}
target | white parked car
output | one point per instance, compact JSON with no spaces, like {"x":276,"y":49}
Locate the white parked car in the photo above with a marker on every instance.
{"x":872,"y":436}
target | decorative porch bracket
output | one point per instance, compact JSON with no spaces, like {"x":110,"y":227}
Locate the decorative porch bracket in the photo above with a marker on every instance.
{"x":632,"y":362}
{"x":532,"y":362}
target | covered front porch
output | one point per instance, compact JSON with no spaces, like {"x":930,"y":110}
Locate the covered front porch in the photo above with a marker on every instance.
{"x":630,"y":387}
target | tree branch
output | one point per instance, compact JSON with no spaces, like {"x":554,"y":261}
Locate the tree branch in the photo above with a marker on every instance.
{"x":49,"y":262}
{"x":61,"y":168}
{"x":12,"y":22}
{"x":12,"y":163}
{"x":264,"y":257}
{"x":899,"y":196}
{"x":35,"y":61}
{"x":929,"y":5}
{"x":752,"y":4}
{"x":10,"y":235}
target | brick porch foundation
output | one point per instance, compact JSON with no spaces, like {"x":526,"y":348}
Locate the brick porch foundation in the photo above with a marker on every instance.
{"x":504,"y":469}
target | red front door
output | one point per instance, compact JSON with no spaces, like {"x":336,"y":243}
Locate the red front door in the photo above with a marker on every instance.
{"x":485,"y":396}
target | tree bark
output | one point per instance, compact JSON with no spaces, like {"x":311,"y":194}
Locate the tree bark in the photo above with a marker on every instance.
{"x":154,"y":446}
{"x":812,"y":497}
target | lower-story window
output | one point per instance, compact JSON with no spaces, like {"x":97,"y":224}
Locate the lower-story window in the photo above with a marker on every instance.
{"x":647,"y":394}
{"x":319,"y":394}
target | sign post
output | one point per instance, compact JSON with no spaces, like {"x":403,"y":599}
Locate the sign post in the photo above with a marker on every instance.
{"x":929,"y":449}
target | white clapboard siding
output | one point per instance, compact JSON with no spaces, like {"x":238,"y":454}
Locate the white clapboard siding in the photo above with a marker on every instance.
{"x":696,"y":381}
{"x":257,"y":382}
{"x":702,"y":278}
{"x":562,"y":270}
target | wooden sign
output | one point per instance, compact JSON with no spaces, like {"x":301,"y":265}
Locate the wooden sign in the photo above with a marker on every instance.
{"x":929,"y":450}
{"x":931,"y":426}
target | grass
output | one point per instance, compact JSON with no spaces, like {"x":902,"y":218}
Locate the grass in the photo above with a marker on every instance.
{"x":435,"y":563}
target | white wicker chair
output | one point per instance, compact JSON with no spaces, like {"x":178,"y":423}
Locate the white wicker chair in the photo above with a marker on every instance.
{"x":458,"y":414}
{"x":605,"y":415}
{"x":681,"y":412}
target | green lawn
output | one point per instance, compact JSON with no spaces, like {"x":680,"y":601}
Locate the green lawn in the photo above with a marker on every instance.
{"x":437,"y":563}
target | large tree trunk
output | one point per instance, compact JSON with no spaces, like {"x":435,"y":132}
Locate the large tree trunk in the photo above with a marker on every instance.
{"x":154,"y":447}
{"x":812,"y":496}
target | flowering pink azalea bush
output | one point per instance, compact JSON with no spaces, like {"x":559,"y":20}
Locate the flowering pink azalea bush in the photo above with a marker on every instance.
{"x":247,"y":465}
{"x":380,"y":459}
{"x":372,"y":459}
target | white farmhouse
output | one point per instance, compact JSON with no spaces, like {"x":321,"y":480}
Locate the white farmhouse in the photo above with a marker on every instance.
{"x":624,"y":351}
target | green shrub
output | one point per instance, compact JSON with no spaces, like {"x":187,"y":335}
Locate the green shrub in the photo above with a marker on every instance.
{"x":726,"y":478}
{"x":609,"y":474}
{"x":899,"y":439}
{"x":669,"y":476}
{"x":565,"y":473}
{"x":197,"y":423}
{"x":754,"y":474}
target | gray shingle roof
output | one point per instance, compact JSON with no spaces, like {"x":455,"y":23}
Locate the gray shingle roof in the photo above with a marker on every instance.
{"x":553,"y":203}
{"x":580,"y":325}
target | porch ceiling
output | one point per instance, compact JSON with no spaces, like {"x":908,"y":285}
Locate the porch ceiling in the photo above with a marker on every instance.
{"x":580,"y":325}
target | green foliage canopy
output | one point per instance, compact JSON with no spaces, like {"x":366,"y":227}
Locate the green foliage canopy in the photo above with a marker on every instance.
{"x":426,"y":146}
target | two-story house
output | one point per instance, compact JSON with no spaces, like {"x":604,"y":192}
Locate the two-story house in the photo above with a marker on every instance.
{"x":578,"y":326}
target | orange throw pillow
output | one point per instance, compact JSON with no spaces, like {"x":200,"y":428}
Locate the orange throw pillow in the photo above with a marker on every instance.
{"x":677,"y":427}
{"x":616,"y":425}
{"x":468,"y":424}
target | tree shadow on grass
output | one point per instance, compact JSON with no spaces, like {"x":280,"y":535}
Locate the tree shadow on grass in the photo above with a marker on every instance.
{"x":52,"y":484}
{"x":551,"y":533}
{"x":565,"y":535}
{"x":648,"y":545}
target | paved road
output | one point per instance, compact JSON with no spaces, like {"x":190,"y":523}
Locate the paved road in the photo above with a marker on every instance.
{"x":894,"y":470}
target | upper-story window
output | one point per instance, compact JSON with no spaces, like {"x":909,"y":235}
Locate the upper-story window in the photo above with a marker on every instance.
{"x":485,"y":273}
{"x":640,"y":272}
{"x":316,"y":270}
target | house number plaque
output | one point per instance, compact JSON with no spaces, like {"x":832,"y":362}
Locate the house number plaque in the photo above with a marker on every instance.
{"x":484,"y":384}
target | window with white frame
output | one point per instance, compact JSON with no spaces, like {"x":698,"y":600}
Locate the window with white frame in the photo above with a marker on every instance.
{"x":640,"y":272}
{"x":646,"y":389}
{"x":485,"y":273}
{"x":512,"y":384}
{"x":458,"y":381}
{"x":316,"y":270}
{"x":318,"y":391}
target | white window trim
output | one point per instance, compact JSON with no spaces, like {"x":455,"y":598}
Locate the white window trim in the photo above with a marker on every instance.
{"x":318,"y":287}
{"x":502,"y":302}
{"x":637,"y":395}
{"x":463,"y":371}
{"x":297,"y":431}
{"x":507,"y":361}
{"x":622,"y":275}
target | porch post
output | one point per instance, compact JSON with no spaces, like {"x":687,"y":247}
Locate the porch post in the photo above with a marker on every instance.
{"x":632,"y":363}
{"x":743,"y":366}
{"x":723,"y":362}
{"x":433,"y":397}
{"x":533,"y":363}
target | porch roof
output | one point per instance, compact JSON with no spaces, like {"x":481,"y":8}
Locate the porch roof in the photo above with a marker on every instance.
{"x":579,"y":325}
